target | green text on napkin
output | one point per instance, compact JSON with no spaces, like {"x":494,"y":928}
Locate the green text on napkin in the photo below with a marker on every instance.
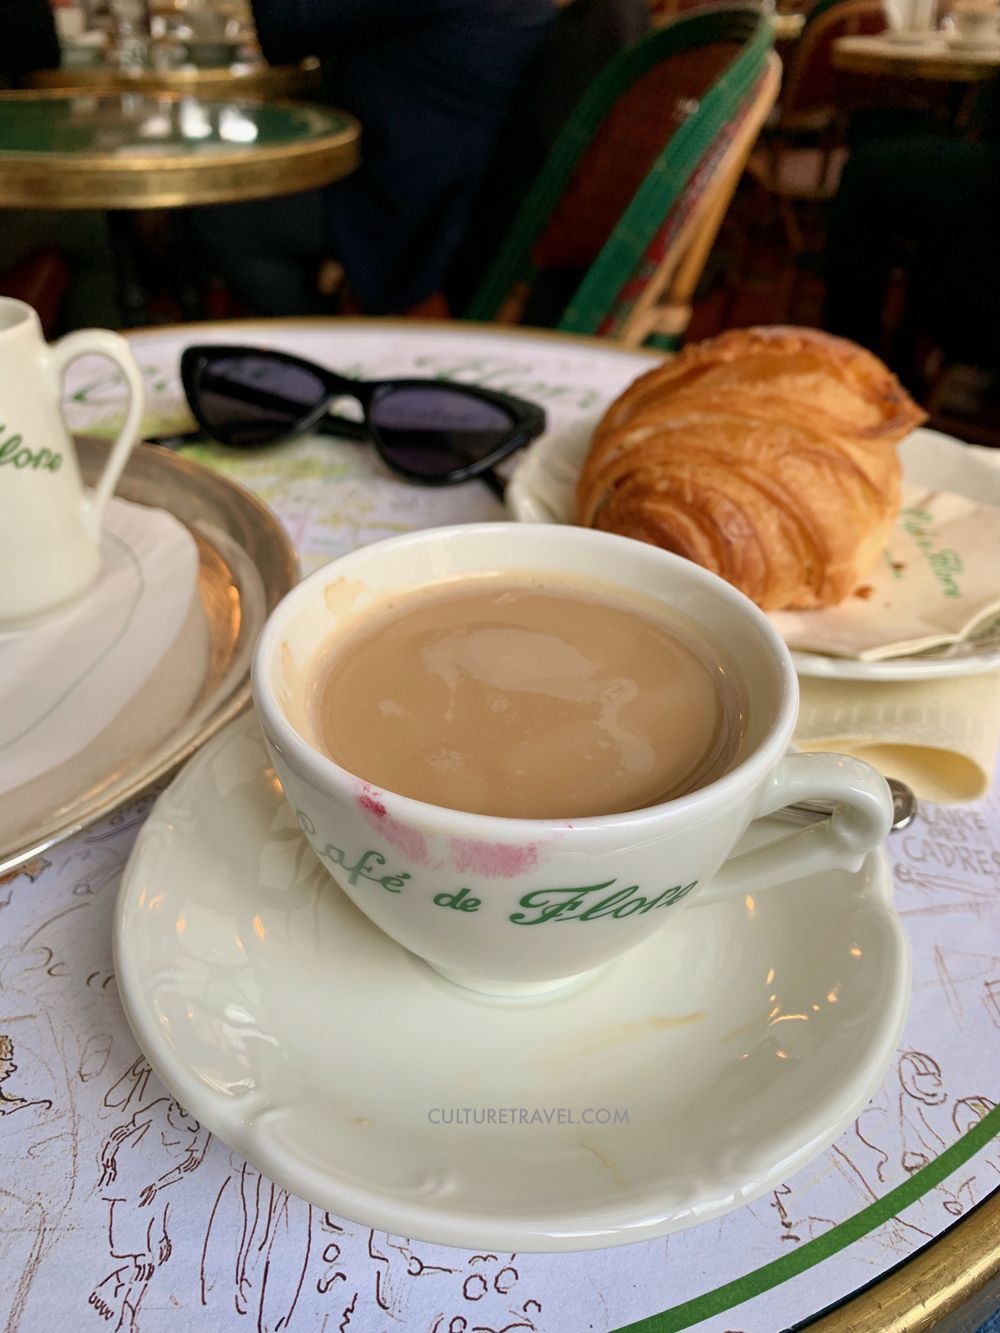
{"x":938,"y":583}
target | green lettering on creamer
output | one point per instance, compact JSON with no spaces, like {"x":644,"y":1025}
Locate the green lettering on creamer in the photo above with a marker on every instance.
{"x":15,"y":453}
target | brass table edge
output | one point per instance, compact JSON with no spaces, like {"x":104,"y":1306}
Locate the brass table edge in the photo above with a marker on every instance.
{"x":15,"y":160}
{"x":934,"y":1283}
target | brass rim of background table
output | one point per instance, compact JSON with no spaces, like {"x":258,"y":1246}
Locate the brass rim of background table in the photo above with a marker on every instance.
{"x":106,"y":180}
{"x":946,"y":66}
{"x":240,"y":80}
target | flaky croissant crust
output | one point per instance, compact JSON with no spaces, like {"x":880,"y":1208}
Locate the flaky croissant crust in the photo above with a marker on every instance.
{"x":766,"y":455}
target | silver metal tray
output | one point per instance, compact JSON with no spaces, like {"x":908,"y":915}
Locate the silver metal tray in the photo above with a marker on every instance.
{"x":246,"y":565}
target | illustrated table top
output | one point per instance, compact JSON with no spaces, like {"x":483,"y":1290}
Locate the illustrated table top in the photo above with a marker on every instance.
{"x":88,"y":1128}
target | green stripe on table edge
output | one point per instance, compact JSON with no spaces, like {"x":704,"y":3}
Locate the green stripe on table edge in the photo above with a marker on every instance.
{"x":815,"y":1251}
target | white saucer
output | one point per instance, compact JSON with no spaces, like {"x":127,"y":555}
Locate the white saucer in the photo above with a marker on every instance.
{"x":740,"y":1042}
{"x":543,"y":488}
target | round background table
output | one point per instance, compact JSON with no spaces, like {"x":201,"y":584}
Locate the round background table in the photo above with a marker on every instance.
{"x":238,"y":80}
{"x":934,"y":60}
{"x":915,"y":1175}
{"x":138,"y":150}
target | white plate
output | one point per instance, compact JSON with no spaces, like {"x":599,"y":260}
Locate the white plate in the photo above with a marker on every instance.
{"x":740,"y":1042}
{"x":542,"y":491}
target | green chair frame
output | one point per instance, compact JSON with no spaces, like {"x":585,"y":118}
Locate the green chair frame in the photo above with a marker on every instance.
{"x":663,"y":185}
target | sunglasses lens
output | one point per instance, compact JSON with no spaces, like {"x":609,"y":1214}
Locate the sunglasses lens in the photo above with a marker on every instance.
{"x":248,"y":400}
{"x":435,"y":430}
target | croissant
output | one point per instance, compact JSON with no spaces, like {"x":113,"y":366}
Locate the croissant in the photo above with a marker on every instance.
{"x":767,"y":455}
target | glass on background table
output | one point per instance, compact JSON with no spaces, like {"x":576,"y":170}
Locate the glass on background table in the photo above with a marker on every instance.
{"x":201,"y":49}
{"x":895,"y":1225}
{"x":135,"y":35}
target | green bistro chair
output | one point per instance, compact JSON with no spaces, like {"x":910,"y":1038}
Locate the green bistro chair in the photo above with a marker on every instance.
{"x":619,"y":222}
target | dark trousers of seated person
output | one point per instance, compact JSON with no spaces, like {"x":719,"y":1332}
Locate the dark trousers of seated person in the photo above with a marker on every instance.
{"x":932,"y":206}
{"x":269,"y":251}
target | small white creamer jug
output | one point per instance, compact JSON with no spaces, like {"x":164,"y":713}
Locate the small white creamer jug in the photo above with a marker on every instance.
{"x":50,"y":524}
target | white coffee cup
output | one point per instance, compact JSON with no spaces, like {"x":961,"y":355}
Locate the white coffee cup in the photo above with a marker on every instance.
{"x":50,"y":526}
{"x":514,"y":906}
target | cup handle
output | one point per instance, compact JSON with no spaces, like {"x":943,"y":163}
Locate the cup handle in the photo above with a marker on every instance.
{"x":102,"y":342}
{"x":861,"y":820}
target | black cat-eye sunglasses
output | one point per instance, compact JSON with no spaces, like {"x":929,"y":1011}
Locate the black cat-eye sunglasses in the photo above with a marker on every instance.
{"x":432,"y":431}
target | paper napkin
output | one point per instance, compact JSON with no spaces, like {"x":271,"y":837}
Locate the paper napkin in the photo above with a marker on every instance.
{"x":938,"y":582}
{"x":939,"y":736}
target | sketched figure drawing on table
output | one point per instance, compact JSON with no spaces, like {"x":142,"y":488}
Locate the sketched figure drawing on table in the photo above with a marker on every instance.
{"x":30,"y":1209}
{"x":9,"y":1101}
{"x":160,"y":1134}
{"x":272,"y":1234}
{"x":796,"y":1229}
{"x":131,"y":1087}
{"x":895,"y":1131}
{"x":910,"y":1135}
{"x":490,"y":1298}
{"x":963,"y":975}
{"x":965,"y":1115}
{"x":920,"y":1087}
{"x":30,"y":870}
